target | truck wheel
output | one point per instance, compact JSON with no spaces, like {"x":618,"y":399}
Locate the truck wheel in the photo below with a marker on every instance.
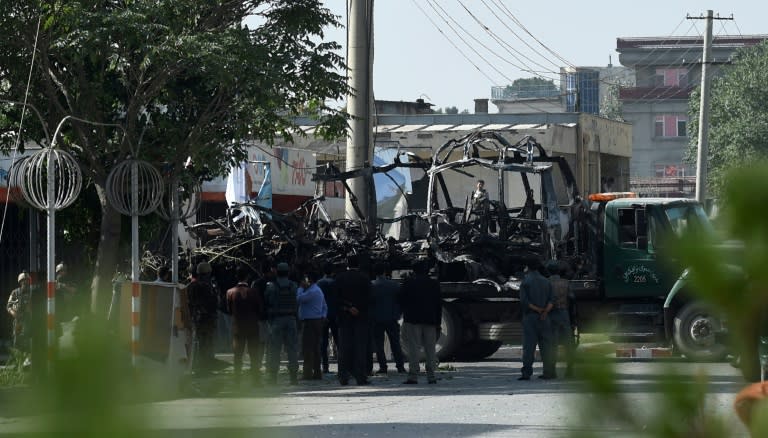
{"x":477,"y":350}
{"x":450,"y":333}
{"x":694,"y":333}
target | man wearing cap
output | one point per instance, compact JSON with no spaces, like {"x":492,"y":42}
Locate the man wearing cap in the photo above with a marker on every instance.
{"x":202,"y":308}
{"x":281,"y":305}
{"x":19,"y":307}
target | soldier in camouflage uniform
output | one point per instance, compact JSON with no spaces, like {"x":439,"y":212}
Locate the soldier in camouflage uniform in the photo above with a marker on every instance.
{"x":19,"y":306}
{"x":202,"y":308}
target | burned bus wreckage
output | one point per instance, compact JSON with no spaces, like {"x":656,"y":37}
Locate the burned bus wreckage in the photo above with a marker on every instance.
{"x":532,"y":211}
{"x":478,"y":254}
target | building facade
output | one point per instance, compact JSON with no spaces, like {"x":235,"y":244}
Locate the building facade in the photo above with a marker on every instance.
{"x":667,"y":70}
{"x":578,"y":89}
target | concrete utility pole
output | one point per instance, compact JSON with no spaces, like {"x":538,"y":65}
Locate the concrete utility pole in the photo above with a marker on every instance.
{"x":702,"y":152}
{"x":360,"y":106}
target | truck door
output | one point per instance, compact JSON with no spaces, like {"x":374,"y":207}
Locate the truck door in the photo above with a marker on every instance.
{"x":630,"y":269}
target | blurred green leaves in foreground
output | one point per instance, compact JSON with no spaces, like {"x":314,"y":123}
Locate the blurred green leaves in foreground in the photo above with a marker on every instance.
{"x":728,"y":270}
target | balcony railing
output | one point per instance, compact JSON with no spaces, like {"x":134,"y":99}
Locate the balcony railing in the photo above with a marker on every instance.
{"x":525,"y":92}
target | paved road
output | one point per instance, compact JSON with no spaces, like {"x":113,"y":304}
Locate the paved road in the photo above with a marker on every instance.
{"x":479,"y":399}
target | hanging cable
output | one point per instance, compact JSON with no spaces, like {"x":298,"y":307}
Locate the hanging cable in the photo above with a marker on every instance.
{"x":504,"y":23}
{"x":21,"y":122}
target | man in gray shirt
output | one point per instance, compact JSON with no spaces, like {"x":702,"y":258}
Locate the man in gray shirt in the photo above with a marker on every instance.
{"x":536,"y":301}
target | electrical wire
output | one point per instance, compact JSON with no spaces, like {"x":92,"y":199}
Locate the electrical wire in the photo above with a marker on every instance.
{"x":525,"y":29}
{"x":508,"y":47}
{"x":433,"y":5}
{"x":504,"y":23}
{"x":681,"y":57}
{"x":21,"y":122}
{"x":737,"y":28}
{"x":430,"y":2}
{"x":452,"y":43}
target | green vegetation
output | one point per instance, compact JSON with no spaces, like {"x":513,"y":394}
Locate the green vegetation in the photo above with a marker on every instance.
{"x":164,"y":80}
{"x":733,"y":284}
{"x":738,"y":120}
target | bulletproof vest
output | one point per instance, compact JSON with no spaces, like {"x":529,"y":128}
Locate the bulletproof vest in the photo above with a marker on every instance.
{"x":286,"y":298}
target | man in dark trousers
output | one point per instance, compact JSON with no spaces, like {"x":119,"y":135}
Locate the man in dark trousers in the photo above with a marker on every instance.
{"x":312,"y":313}
{"x":245,"y":304}
{"x":354,"y":288}
{"x":268,"y":273}
{"x":422,"y":311}
{"x":386,"y":313}
{"x":536,"y":301}
{"x":563,"y":324}
{"x":331,"y":329}
{"x":282,"y":307}
{"x":203,"y":304}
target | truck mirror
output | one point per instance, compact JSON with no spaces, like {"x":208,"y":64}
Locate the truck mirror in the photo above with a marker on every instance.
{"x":642,"y":242}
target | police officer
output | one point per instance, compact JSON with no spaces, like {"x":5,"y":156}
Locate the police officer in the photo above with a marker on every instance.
{"x":562,"y":324}
{"x":281,"y":305}
{"x":536,"y":301}
{"x":203,"y":304}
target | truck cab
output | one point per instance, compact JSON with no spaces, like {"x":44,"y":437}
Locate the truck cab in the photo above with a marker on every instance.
{"x":650,"y":298}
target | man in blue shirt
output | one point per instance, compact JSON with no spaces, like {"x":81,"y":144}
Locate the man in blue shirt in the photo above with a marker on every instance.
{"x":312,"y":313}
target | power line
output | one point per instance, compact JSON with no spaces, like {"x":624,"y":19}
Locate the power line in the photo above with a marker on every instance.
{"x":679,"y":58}
{"x":504,"y":23}
{"x":430,"y":2}
{"x":432,"y":5}
{"x":737,"y":27}
{"x":452,"y":43}
{"x":522,"y":26}
{"x":503,"y":43}
{"x":21,"y":123}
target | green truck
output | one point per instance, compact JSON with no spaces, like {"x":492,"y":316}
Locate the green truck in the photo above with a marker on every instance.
{"x":611,"y":244}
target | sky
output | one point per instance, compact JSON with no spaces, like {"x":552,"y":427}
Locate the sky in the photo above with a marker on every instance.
{"x":415,"y":57}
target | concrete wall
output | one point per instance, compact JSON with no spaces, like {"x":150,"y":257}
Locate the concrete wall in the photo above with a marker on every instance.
{"x":648,"y":150}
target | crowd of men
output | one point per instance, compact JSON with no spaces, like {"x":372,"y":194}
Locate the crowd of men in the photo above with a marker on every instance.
{"x":279,"y":310}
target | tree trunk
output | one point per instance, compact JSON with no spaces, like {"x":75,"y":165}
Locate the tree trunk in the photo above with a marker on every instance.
{"x":106,"y":255}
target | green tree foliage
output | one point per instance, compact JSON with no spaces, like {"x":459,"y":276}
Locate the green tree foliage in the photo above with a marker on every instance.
{"x":611,"y":107}
{"x":531,"y":87}
{"x":730,"y":277}
{"x":534,"y":82}
{"x":451,"y":110}
{"x":738,"y":117}
{"x":169,"y":79}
